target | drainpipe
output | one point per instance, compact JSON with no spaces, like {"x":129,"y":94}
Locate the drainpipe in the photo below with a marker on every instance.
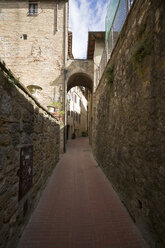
{"x":56,"y":15}
{"x":65,"y":72}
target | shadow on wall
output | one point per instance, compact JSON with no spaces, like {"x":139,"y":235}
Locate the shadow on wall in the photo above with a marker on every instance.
{"x":29,"y":150}
{"x":130,"y":119}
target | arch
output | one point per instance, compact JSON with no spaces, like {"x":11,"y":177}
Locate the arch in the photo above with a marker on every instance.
{"x":79,"y":72}
{"x":80,"y":79}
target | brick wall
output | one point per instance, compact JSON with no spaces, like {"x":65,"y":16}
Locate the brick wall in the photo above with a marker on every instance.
{"x":129,"y":119}
{"x":29,"y":150}
{"x":39,"y":59}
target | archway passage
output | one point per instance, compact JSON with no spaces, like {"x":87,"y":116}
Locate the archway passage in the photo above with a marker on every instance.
{"x":80,"y":79}
{"x":79,"y":72}
{"x":79,"y":104}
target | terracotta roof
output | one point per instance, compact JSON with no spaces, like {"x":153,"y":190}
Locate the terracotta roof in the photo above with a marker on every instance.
{"x":92,"y":36}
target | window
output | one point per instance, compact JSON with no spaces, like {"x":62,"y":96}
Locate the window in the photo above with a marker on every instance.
{"x":80,"y":102}
{"x":23,"y":36}
{"x":68,"y":113}
{"x":33,"y":8}
{"x":75,"y":99}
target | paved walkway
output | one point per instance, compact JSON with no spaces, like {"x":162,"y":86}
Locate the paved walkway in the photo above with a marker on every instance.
{"x":79,"y":208}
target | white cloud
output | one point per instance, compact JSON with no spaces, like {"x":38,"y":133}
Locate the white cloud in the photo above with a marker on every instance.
{"x":84,"y":16}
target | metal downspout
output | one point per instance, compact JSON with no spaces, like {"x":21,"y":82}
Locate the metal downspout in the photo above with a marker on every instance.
{"x":56,"y":15}
{"x":65,"y":116}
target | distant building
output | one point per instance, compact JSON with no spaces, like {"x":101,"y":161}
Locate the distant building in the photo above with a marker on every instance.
{"x":77,"y":113}
{"x":96,"y":45}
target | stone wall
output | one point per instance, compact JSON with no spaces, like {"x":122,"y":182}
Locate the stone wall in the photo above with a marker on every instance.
{"x":29,"y":150}
{"x":129,"y":119}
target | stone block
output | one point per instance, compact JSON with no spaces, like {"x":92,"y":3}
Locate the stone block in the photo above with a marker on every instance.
{"x":26,"y":139}
{"x":27,"y":128}
{"x":6,"y":105}
{"x":16,"y":112}
{"x":4,"y":199}
{"x":5,"y":140}
{"x":2,"y":158}
{"x":15,"y":139}
{"x":10,"y":209}
{"x":4,"y":127}
{"x":4,"y":235}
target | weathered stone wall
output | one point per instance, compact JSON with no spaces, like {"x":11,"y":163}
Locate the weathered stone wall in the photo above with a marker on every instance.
{"x":23,"y":123}
{"x":129,"y":120}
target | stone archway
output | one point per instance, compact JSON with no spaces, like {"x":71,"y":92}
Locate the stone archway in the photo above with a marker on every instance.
{"x":80,"y":79}
{"x":79,"y":72}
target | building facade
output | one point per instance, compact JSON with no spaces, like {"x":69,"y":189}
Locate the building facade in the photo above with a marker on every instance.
{"x":34,"y":45}
{"x":96,"y":46}
{"x":77,"y":113}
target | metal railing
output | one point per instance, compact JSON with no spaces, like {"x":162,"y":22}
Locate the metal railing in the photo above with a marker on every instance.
{"x":120,"y":16}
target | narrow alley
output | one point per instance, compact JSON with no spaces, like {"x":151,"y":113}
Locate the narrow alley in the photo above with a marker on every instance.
{"x":79,"y":208}
{"x":70,"y":70}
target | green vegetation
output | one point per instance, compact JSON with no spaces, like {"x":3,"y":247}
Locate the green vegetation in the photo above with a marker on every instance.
{"x":142,"y":47}
{"x":142,"y":29}
{"x":140,"y":50}
{"x":61,"y":113}
{"x":56,"y":105}
{"x":109,"y":74}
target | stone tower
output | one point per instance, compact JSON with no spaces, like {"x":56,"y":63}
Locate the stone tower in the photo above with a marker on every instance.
{"x":34,"y":45}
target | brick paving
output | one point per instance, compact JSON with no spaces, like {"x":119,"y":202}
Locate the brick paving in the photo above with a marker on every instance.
{"x":79,"y":208}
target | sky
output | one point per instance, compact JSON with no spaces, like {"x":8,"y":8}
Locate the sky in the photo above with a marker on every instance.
{"x":84,"y":16}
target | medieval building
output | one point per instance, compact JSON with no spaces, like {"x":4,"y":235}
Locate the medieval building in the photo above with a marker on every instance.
{"x":34,"y":45}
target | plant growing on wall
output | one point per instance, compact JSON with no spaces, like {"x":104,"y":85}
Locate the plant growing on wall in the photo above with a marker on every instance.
{"x":142,"y":47}
{"x":61,"y":113}
{"x":140,"y":50}
{"x":109,"y":74}
{"x":57,"y":105}
{"x":58,"y":111}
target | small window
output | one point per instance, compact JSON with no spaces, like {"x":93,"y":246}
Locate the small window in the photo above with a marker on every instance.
{"x":33,"y":8}
{"x":80,"y":102}
{"x":75,"y":99}
{"x":23,"y":36}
